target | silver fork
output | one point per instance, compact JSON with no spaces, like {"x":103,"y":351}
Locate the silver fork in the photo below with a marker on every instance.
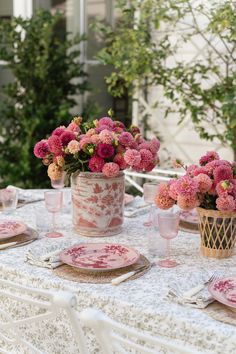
{"x":195,"y":290}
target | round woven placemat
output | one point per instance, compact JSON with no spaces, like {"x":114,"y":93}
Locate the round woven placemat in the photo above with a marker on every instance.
{"x":221,"y":313}
{"x":84,"y":276}
{"x":23,"y":239}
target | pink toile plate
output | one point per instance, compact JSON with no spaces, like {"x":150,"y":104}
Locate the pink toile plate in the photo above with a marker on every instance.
{"x":224,"y":291}
{"x":99,"y":256}
{"x":10,"y":228}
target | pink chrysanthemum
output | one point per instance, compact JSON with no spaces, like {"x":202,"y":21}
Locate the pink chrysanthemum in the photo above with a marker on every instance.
{"x":187,"y":187}
{"x":210,"y":156}
{"x":222,"y":173}
{"x":41,"y":149}
{"x":154,"y":145}
{"x":106,"y":121}
{"x":191,"y":169}
{"x":226,"y":203}
{"x":188,"y":203}
{"x":172,"y":189}
{"x":106,"y":136}
{"x":84,"y":141}
{"x":91,"y":132}
{"x":58,"y":131}
{"x":126,"y":139}
{"x":204,"y":182}
{"x":73,"y":147}
{"x":163,"y":199}
{"x":55,"y":145}
{"x":146,"y":155}
{"x":224,"y":188}
{"x":95,"y":139}
{"x":105,"y":150}
{"x":96,"y":164}
{"x":200,"y":170}
{"x":54,"y":171}
{"x":73,"y":127}
{"x":111,"y":169}
{"x":143,"y":145}
{"x":132,"y":157}
{"x":117,"y":130}
{"x":211,"y":166}
{"x":119,"y":159}
{"x":66,"y":137}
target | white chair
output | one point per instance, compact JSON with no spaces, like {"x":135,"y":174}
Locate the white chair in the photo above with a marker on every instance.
{"x":157,"y":174}
{"x":40,"y":305}
{"x":114,"y":337}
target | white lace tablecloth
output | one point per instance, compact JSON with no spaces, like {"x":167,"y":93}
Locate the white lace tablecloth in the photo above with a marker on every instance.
{"x":140,"y":303}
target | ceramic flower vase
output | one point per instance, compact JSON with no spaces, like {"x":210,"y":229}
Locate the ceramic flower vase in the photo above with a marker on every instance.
{"x":98,"y":203}
{"x":218,"y":232}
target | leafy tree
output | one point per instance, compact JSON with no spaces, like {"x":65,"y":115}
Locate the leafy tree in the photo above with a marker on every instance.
{"x":45,"y":65}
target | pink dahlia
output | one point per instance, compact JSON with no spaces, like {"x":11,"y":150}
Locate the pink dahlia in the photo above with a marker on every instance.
{"x":105,"y":150}
{"x":226,"y":203}
{"x":204,"y":182}
{"x":132,"y":157}
{"x":91,"y":132}
{"x":73,"y":147}
{"x":96,"y":164}
{"x":154,"y":145}
{"x":199,"y":170}
{"x":191,"y":169}
{"x":106,"y":136}
{"x":73,"y":127}
{"x":143,"y":145}
{"x":210,"y":156}
{"x":55,"y":145}
{"x":126,"y":139}
{"x":224,"y":188}
{"x":146,"y":155}
{"x":119,"y":159}
{"x":222,"y":173}
{"x":172,"y":189}
{"x":41,"y":149}
{"x":111,"y":169}
{"x":58,"y":131}
{"x":105,"y":121}
{"x":186,"y":187}
{"x":188,"y":203}
{"x":163,"y":199}
{"x":66,"y":137}
{"x":84,"y":141}
{"x":95,"y":139}
{"x":102,"y":127}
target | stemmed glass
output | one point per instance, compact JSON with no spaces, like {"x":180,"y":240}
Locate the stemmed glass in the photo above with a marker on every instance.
{"x":53,"y":202}
{"x":168,"y":228}
{"x":149,"y":193}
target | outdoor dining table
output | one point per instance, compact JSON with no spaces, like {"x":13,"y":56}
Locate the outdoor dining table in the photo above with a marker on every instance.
{"x":140,"y":303}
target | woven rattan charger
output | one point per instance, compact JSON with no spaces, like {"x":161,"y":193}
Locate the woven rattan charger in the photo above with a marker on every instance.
{"x":85,"y":276}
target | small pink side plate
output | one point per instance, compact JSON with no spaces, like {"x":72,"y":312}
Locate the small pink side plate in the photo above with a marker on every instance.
{"x":99,"y":256}
{"x":224,"y":291}
{"x":10,"y":228}
{"x":128,"y":198}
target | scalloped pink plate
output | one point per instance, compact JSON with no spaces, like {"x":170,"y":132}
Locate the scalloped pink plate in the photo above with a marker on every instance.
{"x":189,"y":216}
{"x":128,"y":198}
{"x":10,"y":228}
{"x":224,"y":291}
{"x":99,"y":256}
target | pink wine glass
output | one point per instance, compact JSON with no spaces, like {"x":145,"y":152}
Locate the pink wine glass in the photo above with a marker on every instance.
{"x":58,"y":183}
{"x":53,"y":203}
{"x":149,"y":193}
{"x":168,"y":228}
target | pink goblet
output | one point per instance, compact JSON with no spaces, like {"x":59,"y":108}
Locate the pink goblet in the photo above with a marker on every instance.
{"x":149,"y":193}
{"x":53,"y":202}
{"x":168,"y":228}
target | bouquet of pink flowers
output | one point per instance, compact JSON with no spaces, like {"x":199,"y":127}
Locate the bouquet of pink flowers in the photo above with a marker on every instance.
{"x":102,"y":145}
{"x":212,"y":185}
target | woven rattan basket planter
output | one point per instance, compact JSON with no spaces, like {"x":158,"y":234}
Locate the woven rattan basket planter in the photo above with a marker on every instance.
{"x":218,"y":232}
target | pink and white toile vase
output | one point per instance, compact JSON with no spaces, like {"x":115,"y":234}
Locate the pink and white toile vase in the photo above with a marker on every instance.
{"x":98,"y":203}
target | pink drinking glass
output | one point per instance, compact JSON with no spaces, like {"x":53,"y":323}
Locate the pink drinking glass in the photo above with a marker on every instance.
{"x":168,"y":228}
{"x":58,"y":183}
{"x":53,"y":203}
{"x":149,"y":193}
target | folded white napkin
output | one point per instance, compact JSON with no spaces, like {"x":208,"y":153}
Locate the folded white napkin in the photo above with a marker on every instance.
{"x":136,"y":208}
{"x":48,"y":257}
{"x":200,"y":300}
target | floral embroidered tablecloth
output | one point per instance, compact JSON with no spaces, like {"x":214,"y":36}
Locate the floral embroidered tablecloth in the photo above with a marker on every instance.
{"x":140,"y":303}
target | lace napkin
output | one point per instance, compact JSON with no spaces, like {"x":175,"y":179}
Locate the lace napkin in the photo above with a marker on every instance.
{"x":47,"y":257}
{"x":177,"y":289}
{"x":136,"y":208}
